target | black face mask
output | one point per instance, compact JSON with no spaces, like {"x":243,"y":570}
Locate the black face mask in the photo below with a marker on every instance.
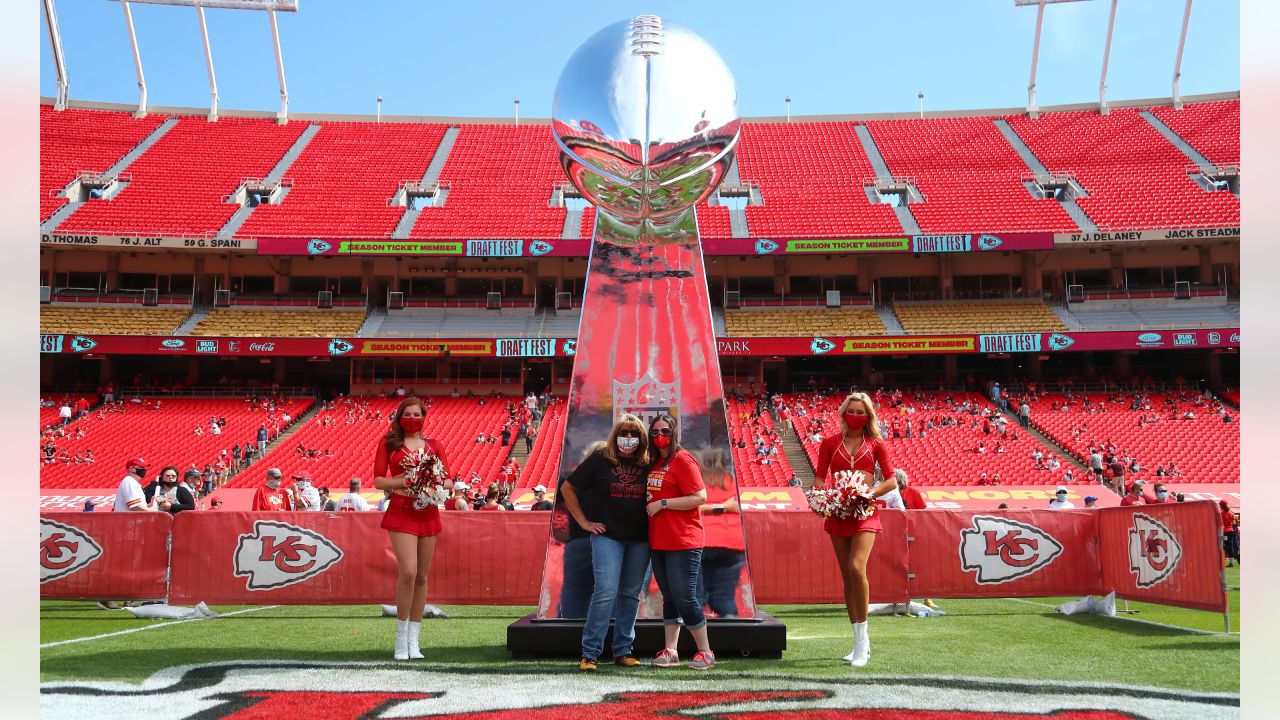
{"x":168,"y":485}
{"x":142,"y":474}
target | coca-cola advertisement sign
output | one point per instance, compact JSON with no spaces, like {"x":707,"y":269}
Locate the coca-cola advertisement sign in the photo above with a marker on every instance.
{"x":265,"y":347}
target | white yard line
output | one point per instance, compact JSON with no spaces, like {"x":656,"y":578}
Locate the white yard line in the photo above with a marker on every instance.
{"x":1136,"y":620}
{"x":150,"y":627}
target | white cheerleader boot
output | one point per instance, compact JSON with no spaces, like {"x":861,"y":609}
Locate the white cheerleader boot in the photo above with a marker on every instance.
{"x":415,"y":628}
{"x":402,"y":640}
{"x":861,"y":645}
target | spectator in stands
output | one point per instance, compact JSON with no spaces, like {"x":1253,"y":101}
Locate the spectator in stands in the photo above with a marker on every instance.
{"x":1163,"y":495}
{"x":491,"y":497}
{"x":1134,"y":496}
{"x":459,"y":499}
{"x":167,"y":495}
{"x":307,"y":498}
{"x":1060,"y":501}
{"x":412,"y":531}
{"x":676,"y":541}
{"x":129,"y":495}
{"x":539,"y":500}
{"x":235,"y":456}
{"x":64,"y":413}
{"x":605,"y":497}
{"x":1024,"y":414}
{"x":911,"y":497}
{"x":352,"y":500}
{"x":1230,"y":533}
{"x":269,"y":497}
{"x":529,"y":436}
{"x":1173,"y":470}
{"x":1090,"y":501}
{"x":858,"y":446}
{"x":506,"y":436}
{"x":262,"y":440}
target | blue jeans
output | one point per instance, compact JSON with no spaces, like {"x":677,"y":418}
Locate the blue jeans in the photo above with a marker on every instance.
{"x":619,"y":570}
{"x":575,"y":591}
{"x":718,"y":581}
{"x":677,"y":575}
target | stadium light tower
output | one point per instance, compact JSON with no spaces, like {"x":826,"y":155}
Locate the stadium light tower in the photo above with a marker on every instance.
{"x":788,"y":108}
{"x":59,"y":65}
{"x":517,"y":102}
{"x":1177,"y":63}
{"x":379,"y":108}
{"x":268,"y":6}
{"x":920,"y":97}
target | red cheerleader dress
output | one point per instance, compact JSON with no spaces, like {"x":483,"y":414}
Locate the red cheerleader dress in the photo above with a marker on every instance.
{"x":833,"y":457}
{"x":401,"y":515}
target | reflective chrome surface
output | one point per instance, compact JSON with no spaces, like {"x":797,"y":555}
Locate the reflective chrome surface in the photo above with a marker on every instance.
{"x":646,"y":117}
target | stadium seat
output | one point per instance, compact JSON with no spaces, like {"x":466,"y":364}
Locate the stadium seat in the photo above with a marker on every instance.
{"x":771,"y":323}
{"x":977,"y":317}
{"x":237,"y":322}
{"x":111,"y":320}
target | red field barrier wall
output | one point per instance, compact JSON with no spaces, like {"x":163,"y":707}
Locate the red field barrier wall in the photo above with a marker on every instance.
{"x":1164,"y":554}
{"x":113,"y":556}
{"x":1168,"y":554}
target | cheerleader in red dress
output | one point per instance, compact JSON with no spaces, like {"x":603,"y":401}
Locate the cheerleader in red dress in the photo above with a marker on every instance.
{"x":413,"y":532}
{"x":857,"y":447}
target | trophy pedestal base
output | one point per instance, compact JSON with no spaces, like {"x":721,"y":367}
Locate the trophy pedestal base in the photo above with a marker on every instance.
{"x":759,"y":637}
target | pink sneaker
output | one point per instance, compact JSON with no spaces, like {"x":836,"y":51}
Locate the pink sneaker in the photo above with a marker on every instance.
{"x":666,"y":659}
{"x":703,"y":661}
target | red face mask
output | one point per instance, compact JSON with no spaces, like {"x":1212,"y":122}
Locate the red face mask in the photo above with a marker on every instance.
{"x":855,"y":422}
{"x":662,"y":442}
{"x":411,"y":425}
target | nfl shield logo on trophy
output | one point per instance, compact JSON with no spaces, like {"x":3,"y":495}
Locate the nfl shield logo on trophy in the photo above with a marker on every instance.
{"x":645,"y":398}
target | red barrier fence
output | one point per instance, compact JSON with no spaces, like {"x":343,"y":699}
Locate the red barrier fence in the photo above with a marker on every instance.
{"x":115,"y":556}
{"x":1166,"y":554}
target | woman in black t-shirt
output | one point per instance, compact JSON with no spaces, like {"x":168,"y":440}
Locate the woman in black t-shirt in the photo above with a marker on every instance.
{"x":605,"y":495}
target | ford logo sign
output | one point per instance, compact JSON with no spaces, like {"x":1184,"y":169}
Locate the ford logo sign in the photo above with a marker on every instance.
{"x":1149,"y":337}
{"x":173,"y":343}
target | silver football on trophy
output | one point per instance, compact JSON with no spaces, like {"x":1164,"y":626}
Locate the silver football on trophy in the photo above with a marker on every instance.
{"x":646,"y":117}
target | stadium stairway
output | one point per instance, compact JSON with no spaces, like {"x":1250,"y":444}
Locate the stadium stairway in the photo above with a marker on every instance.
{"x":1065,"y":316}
{"x":891,"y":324}
{"x":795,"y":454}
{"x":905,"y":218}
{"x":1185,"y":147}
{"x":1073,"y":209}
{"x":198,"y":313}
{"x":1031,"y":429}
{"x":430,"y":175}
{"x":276,"y":174}
{"x":372,"y":322}
{"x":116,"y":168}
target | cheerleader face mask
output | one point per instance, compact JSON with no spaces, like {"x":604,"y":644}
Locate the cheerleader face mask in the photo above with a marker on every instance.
{"x":411,"y":424}
{"x":856,"y":419}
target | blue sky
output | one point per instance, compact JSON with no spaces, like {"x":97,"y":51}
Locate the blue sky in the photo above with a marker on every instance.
{"x":473,"y":58}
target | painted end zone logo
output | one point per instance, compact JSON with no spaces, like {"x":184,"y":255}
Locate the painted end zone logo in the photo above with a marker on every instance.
{"x":64,"y":550}
{"x":1000,"y":550}
{"x":1154,"y":552}
{"x":278,"y":554}
{"x":351,"y":691}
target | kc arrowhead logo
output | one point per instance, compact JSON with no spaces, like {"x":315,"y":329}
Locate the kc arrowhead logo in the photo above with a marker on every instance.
{"x":278,"y":554}
{"x":821,"y":346}
{"x":81,"y":344}
{"x":64,"y":550}
{"x":316,"y":246}
{"x":338,"y":346}
{"x":989,"y":242}
{"x":570,"y":347}
{"x":1153,"y":551}
{"x":764,"y":247}
{"x":1000,"y":550}
{"x":539,"y":247}
{"x":1058,"y":341}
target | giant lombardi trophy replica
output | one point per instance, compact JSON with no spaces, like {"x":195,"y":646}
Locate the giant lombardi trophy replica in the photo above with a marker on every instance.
{"x":645,"y":116}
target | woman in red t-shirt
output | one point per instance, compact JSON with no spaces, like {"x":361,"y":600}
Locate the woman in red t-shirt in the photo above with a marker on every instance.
{"x":412,"y":531}
{"x":858,"y":446}
{"x":676,"y":539}
{"x":1230,"y":534}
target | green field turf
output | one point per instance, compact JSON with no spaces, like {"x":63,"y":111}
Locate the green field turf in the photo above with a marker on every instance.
{"x":977,"y":638}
